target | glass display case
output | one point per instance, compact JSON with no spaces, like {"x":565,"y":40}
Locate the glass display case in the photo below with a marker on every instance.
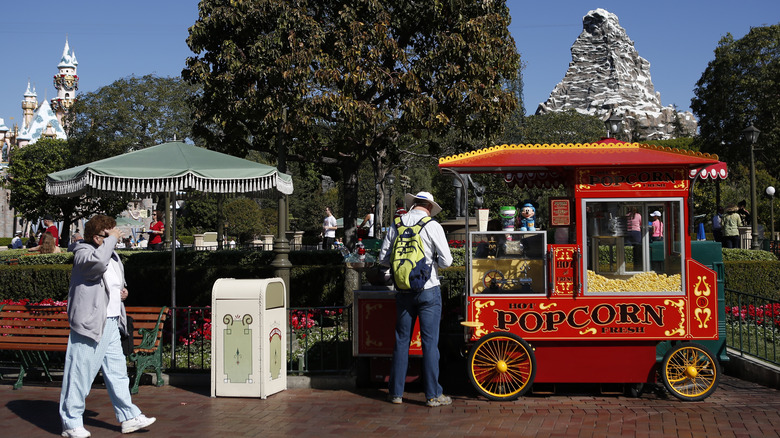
{"x":508,"y":262}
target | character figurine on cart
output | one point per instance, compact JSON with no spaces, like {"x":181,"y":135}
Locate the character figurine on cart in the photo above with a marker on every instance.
{"x":527,"y":214}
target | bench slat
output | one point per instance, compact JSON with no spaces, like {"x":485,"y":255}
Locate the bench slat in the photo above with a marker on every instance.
{"x":33,"y":347}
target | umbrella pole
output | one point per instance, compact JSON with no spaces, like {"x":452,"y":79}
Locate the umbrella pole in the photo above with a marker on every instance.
{"x":173,"y":282}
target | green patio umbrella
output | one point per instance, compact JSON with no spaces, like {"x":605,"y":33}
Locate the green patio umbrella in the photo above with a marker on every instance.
{"x":169,"y":168}
{"x":172,"y":167}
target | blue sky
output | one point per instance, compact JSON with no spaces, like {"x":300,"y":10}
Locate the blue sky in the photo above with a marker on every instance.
{"x":114,"y":39}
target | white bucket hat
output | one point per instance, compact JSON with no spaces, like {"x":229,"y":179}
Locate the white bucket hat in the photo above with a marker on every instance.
{"x":410,"y":199}
{"x":656,"y":213}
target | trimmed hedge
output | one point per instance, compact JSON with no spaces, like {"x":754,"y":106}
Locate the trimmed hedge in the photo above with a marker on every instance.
{"x":35,"y":282}
{"x":735,"y":254}
{"x":760,"y":278}
{"x":316,"y":277}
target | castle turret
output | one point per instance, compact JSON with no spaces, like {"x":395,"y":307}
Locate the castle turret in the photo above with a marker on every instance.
{"x":29,"y":105}
{"x":66,"y":82}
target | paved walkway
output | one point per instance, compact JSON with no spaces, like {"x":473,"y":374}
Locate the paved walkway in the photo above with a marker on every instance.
{"x":737,"y":409}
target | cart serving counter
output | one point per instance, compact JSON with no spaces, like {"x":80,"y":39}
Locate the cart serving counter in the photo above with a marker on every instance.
{"x":596,"y":300}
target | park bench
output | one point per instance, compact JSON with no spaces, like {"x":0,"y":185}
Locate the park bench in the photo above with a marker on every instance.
{"x":33,"y":332}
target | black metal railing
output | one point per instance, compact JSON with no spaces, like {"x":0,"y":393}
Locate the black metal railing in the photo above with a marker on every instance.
{"x":752,"y":325}
{"x":319,"y":340}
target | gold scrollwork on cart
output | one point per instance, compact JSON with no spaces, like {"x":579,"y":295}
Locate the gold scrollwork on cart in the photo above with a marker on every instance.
{"x":703,"y":316}
{"x":479,"y":305}
{"x":702,"y":290}
{"x":370,"y":308}
{"x":697,"y":290}
{"x":680,"y":305}
{"x":590,"y":331}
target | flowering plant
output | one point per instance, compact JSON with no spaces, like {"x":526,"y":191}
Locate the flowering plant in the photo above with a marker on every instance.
{"x":26,"y":302}
{"x":768,"y":314}
{"x":194,"y":326}
{"x":456,"y":243}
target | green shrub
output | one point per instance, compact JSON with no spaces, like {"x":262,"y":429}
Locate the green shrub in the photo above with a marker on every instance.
{"x":35,"y":282}
{"x":754,"y":277}
{"x":735,"y":254}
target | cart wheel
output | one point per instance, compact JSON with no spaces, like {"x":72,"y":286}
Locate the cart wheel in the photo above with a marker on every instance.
{"x":690,"y":372}
{"x":492,"y":279}
{"x":502,"y":366}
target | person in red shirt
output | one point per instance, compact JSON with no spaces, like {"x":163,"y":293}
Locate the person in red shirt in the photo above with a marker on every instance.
{"x":156,"y":230}
{"x":48,"y":222}
{"x":399,"y":208}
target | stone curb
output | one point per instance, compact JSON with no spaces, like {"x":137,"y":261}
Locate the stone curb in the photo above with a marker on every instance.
{"x":752,"y":369}
{"x":293,"y":382}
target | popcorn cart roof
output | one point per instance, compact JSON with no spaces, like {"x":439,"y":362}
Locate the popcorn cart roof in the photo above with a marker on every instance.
{"x":556,"y":157}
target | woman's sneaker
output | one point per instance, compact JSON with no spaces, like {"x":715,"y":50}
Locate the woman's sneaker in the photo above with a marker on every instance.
{"x":76,"y":432}
{"x":441,"y":400}
{"x":136,"y":423}
{"x":395,"y":399}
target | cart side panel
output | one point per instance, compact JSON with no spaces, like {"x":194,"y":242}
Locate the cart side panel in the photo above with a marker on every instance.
{"x":374,"y":325}
{"x":702,"y":287}
{"x":595,"y":362}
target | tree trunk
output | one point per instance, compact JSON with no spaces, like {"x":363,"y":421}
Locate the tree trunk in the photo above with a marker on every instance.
{"x":349,"y":202}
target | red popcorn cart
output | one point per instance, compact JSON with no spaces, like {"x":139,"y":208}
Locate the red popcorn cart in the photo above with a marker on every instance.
{"x":608,"y":290}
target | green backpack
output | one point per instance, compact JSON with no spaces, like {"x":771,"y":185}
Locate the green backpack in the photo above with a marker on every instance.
{"x":410,"y":272}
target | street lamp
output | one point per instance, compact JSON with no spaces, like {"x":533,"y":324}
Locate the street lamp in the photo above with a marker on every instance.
{"x":771,"y":192}
{"x":390,"y":203}
{"x":751,"y":134}
{"x":614,"y":125}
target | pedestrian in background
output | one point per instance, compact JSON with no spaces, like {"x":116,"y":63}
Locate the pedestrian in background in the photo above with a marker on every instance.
{"x":156,"y":230}
{"x":731,"y":223}
{"x":657,"y":225}
{"x":717,"y":227}
{"x":328,"y":229}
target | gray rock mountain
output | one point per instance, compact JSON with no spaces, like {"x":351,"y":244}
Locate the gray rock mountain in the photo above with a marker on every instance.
{"x":607,"y":75}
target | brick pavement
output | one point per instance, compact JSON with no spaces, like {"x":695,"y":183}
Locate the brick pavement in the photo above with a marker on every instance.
{"x":737,"y":409}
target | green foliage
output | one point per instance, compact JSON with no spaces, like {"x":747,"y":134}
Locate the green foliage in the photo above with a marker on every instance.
{"x":198,"y":215}
{"x":738,"y":87}
{"x":458,"y":256}
{"x":35,"y":282}
{"x":244,"y":219}
{"x":308,"y":202}
{"x":754,"y":277}
{"x":340,"y":84}
{"x":736,"y":255}
{"x":27,"y":183}
{"x":561,"y":127}
{"x":129,"y":114}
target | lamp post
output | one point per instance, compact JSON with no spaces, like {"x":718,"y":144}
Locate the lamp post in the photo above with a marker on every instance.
{"x":390,"y":203}
{"x":771,"y":192}
{"x":614,"y":125}
{"x":751,"y":134}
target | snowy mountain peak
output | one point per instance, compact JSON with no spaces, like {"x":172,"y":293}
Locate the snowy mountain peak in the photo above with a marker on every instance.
{"x":607,"y":74}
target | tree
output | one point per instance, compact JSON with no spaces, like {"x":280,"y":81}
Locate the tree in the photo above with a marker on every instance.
{"x":132,"y":113}
{"x":349,"y":83}
{"x":27,"y":183}
{"x":561,"y":127}
{"x":245,"y":220}
{"x":740,"y":86}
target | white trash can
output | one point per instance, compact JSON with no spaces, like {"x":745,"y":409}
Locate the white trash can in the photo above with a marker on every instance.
{"x":248,"y":337}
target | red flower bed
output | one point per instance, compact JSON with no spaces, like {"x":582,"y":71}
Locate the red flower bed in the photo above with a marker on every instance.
{"x":766,"y":314}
